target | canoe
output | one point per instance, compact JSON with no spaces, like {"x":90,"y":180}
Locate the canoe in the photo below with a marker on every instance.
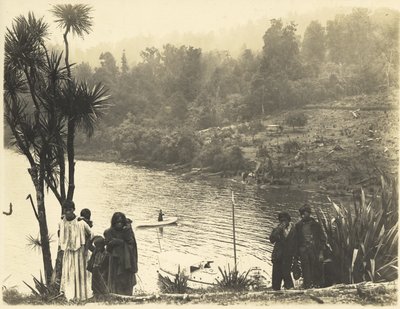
{"x":166,"y":221}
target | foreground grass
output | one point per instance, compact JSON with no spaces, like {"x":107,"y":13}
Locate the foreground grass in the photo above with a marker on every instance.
{"x":366,"y":293}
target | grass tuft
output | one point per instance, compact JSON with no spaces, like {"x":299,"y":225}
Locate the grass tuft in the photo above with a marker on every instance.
{"x":232,"y":280}
{"x":179,"y":285}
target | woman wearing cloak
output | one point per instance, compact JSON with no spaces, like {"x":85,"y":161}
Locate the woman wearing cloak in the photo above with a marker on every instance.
{"x":121,"y":245}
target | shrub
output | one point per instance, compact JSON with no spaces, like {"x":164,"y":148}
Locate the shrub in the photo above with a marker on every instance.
{"x":242,"y":128}
{"x":363,"y":237}
{"x":207,"y":154}
{"x":179,"y":285}
{"x":187,"y":145}
{"x":255,"y":126}
{"x":296,"y":120}
{"x":262,"y":151}
{"x":216,"y":157}
{"x":291,"y":146}
{"x":12,"y":296}
{"x":232,"y":280}
{"x":235,"y":160}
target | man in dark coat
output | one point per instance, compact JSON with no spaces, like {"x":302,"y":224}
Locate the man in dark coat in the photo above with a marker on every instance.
{"x":309,"y":242}
{"x":282,"y":254}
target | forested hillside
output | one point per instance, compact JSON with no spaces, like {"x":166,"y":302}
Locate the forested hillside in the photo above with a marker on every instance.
{"x":165,"y":109}
{"x":160,"y":103}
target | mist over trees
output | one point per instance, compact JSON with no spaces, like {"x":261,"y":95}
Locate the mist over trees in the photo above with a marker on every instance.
{"x":174,"y":91}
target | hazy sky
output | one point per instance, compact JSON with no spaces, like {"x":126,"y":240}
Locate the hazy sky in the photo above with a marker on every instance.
{"x":118,"y":19}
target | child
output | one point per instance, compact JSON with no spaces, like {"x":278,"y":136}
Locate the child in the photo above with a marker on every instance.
{"x":98,"y":266}
{"x":85,"y":216}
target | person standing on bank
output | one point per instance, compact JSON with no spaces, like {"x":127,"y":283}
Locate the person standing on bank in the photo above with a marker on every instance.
{"x":282,"y":255}
{"x":98,"y":266}
{"x":73,"y":235}
{"x":310,"y":241}
{"x":121,"y":245}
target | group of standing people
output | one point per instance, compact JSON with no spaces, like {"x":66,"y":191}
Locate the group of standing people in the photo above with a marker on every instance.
{"x":298,"y":249}
{"x":107,"y":264}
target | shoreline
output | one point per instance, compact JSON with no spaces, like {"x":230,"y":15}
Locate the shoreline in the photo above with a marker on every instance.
{"x":364,"y":293}
{"x":190,"y":173}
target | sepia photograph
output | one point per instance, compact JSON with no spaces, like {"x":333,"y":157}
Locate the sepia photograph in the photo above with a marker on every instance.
{"x":199,"y":153}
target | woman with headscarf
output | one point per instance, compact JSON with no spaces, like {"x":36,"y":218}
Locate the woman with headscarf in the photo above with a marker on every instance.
{"x":121,"y":245}
{"x":282,"y":254}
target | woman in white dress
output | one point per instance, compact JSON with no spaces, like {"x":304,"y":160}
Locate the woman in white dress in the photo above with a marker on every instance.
{"x":74,"y":234}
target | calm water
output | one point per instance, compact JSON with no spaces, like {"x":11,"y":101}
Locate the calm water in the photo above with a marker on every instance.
{"x":203,"y":208}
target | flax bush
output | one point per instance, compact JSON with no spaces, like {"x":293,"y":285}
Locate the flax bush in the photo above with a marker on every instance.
{"x":178,"y":285}
{"x":232,"y":280}
{"x":364,"y":236}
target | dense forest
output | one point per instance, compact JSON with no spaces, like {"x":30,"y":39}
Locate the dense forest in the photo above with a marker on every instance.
{"x":161,"y":105}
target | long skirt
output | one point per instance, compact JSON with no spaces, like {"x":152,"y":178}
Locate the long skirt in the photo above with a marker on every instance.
{"x":75,"y":279}
{"x":120,"y":282}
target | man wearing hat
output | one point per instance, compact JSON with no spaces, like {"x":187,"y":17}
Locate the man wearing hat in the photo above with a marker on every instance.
{"x":282,"y":254}
{"x":309,"y":242}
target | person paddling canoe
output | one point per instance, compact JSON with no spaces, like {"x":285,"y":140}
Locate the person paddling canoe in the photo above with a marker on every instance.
{"x":160,"y":216}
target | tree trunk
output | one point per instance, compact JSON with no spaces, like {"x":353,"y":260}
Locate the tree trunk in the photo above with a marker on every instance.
{"x":44,"y":233}
{"x":71,"y":130}
{"x":71,"y":159}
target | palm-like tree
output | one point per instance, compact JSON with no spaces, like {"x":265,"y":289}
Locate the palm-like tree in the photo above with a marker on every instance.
{"x":72,"y":18}
{"x":39,"y":124}
{"x":76,"y":19}
{"x":24,"y":61}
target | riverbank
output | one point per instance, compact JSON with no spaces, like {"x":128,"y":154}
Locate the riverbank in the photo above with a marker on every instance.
{"x":366,"y":293}
{"x":339,"y":148}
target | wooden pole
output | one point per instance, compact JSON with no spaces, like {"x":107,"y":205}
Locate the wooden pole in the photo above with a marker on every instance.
{"x":233,"y":223}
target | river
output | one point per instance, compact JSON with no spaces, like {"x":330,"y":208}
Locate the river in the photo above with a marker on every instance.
{"x":203,"y":206}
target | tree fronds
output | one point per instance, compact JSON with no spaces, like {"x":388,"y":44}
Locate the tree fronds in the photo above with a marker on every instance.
{"x":35,"y":242}
{"x":53,"y":70}
{"x":84,"y":104}
{"x":14,"y":83}
{"x":75,"y":18}
{"x":23,"y":42}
